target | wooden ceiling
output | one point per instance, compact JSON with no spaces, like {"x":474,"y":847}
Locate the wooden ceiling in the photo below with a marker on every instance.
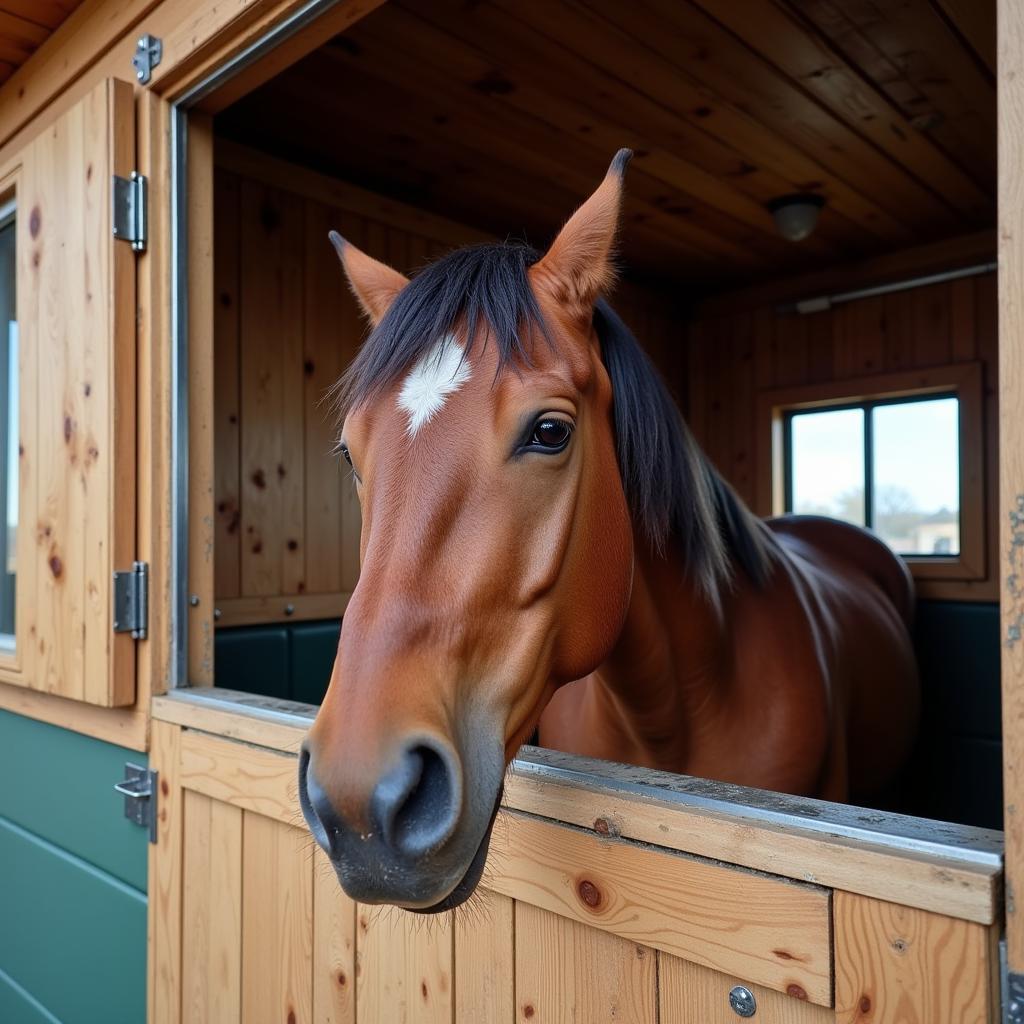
{"x":24,"y":27}
{"x":504,"y":113}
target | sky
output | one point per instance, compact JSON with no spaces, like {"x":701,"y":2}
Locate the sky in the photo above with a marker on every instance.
{"x":916,"y":449}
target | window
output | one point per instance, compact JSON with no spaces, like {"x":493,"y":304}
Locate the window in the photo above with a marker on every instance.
{"x":892,"y":465}
{"x":8,"y":427}
{"x":900,"y":453}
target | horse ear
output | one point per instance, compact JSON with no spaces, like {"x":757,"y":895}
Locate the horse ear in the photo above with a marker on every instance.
{"x":374,"y":284}
{"x":578,"y":268}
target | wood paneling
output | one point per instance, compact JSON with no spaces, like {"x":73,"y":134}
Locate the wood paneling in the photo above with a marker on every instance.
{"x":894,"y":963}
{"x":286,"y":514}
{"x":736,"y":357}
{"x":506,"y":113}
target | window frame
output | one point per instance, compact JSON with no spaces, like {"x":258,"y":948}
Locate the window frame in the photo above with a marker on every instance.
{"x":962,"y":381}
{"x":11,"y":645}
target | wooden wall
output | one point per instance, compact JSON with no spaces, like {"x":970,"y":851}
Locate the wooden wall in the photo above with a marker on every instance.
{"x":736,"y":356}
{"x":287,"y":520}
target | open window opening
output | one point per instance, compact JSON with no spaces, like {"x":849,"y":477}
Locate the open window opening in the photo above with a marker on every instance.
{"x":424,"y":127}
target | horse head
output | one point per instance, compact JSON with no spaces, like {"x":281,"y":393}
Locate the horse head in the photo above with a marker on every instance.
{"x":496,"y":548}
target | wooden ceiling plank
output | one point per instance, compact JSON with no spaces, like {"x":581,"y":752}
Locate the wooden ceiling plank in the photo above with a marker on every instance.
{"x":512,"y":36}
{"x":48,"y":13}
{"x":447,"y":177}
{"x":21,"y":31}
{"x":517,"y":114}
{"x":911,"y":53}
{"x":975,"y":20}
{"x":781,"y":37}
{"x":535,"y":149}
{"x":470,"y":68}
{"x":688,"y":44}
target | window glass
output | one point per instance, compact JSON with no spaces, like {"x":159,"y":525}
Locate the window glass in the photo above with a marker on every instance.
{"x":916,"y":476}
{"x":827,"y":464}
{"x":8,"y":430}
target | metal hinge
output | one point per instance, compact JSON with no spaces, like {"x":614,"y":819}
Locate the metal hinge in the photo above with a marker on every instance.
{"x":1012,"y":990}
{"x":131,"y":600}
{"x":148,"y":52}
{"x":129,"y":206}
{"x":139,"y":788}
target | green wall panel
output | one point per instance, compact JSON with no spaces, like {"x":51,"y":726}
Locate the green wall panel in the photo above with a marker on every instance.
{"x":60,"y":786}
{"x":72,"y":936}
{"x":18,"y":1007}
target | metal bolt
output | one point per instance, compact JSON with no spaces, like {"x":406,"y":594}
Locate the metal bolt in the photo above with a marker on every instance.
{"x":742,"y":1000}
{"x":216,"y":613}
{"x":194,"y":600}
{"x":289,"y":609}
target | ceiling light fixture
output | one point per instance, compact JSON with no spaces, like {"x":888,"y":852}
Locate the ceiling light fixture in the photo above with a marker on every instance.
{"x":796,"y":215}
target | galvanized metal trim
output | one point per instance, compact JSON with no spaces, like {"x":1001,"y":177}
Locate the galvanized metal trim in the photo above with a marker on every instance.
{"x":179,"y":398}
{"x":969,"y":845}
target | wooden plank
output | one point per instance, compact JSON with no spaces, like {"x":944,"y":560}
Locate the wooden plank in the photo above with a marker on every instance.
{"x":323,"y":361}
{"x":485,"y":941}
{"x":249,"y":611}
{"x":271,"y":316}
{"x":211,"y":911}
{"x":77,"y":291}
{"x":201,"y":398}
{"x":406,"y":972}
{"x":260,"y":781}
{"x":164,"y":938}
{"x":277,"y":923}
{"x":897,"y":963}
{"x":334,"y":947}
{"x":569,"y":972}
{"x":977,"y":24}
{"x":913,"y":877}
{"x":775,"y":932}
{"x":963,"y":341}
{"x":691,"y":994}
{"x":227,"y":409}
{"x":1011,"y":454}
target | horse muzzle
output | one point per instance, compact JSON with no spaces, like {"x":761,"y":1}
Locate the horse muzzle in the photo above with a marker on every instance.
{"x":424,"y":831}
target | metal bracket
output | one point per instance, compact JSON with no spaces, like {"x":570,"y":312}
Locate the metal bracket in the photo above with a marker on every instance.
{"x":131,"y":600}
{"x":129,"y":209}
{"x":139,"y":788}
{"x":148,"y":52}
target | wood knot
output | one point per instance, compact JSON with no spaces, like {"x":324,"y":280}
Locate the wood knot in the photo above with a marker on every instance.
{"x":259,"y":479}
{"x":56,"y":566}
{"x":293,"y":545}
{"x":35,"y":222}
{"x":281,"y":471}
{"x":424,"y":991}
{"x":68,"y":428}
{"x":164,"y":787}
{"x":87,"y":389}
{"x":342,"y":979}
{"x":601,"y":826}
{"x":528,"y":1011}
{"x":291,"y":1016}
{"x":589,"y":893}
{"x":309,"y":367}
{"x":796,"y":991}
{"x":783,"y":954}
{"x":865,"y":1004}
{"x":899,"y":946}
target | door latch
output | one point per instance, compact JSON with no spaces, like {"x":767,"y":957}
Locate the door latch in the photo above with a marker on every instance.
{"x":139,"y":789}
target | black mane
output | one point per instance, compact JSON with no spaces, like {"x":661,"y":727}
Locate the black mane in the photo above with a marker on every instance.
{"x":674,"y":493}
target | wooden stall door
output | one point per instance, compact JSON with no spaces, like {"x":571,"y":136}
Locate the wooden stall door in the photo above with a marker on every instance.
{"x":76,"y":315}
{"x":248,"y":924}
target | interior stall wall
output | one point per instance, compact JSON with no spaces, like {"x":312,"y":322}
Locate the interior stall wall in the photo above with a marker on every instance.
{"x":734,"y":357}
{"x":287,"y":520}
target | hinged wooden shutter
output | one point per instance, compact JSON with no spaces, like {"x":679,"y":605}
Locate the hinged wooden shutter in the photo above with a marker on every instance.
{"x":76,"y":312}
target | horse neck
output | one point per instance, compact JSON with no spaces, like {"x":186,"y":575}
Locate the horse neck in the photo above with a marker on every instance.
{"x":662,"y":675}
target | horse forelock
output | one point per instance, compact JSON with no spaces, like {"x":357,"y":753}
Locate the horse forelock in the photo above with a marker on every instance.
{"x":483,"y":294}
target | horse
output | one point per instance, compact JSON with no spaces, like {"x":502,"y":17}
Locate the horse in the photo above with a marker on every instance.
{"x":546,"y":551}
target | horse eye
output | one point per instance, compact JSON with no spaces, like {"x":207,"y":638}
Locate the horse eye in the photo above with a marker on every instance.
{"x":551,"y":434}
{"x":343,"y":448}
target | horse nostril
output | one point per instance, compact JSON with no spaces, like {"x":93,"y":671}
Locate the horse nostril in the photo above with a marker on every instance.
{"x":316,"y":808}
{"x":417,"y":803}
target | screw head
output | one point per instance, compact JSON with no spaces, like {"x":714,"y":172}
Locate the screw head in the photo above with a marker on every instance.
{"x":289,"y":609}
{"x":194,"y":600}
{"x":742,"y":1000}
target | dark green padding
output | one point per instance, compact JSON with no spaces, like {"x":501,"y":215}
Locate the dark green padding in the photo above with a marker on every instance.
{"x":311,"y":657}
{"x":60,"y":786}
{"x":253,"y":659}
{"x":71,"y":936}
{"x":288,"y":660}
